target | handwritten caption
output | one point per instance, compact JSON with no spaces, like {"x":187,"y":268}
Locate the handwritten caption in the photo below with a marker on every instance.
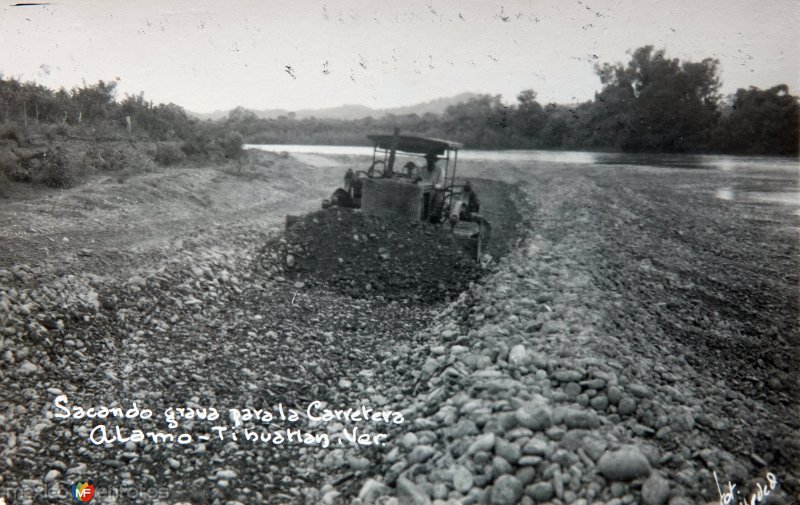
{"x":277,"y":426}
{"x":759,"y":495}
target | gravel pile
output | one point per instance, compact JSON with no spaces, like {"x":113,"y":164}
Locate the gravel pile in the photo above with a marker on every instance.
{"x":205,"y":327}
{"x":540,"y":387}
{"x":364,"y":257}
{"x":540,"y":382}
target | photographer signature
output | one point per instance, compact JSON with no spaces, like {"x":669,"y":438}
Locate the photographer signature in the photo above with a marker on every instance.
{"x":757,"y":497}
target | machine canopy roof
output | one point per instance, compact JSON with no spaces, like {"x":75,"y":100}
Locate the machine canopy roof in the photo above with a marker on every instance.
{"x":414,"y":145}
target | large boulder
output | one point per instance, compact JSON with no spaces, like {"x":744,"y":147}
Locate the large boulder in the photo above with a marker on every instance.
{"x":626,"y":463}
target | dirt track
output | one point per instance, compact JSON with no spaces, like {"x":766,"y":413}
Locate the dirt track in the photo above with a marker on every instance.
{"x":637,"y":269}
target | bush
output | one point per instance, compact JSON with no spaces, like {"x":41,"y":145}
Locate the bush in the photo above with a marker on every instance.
{"x":55,"y":171}
{"x":50,"y":167}
{"x":233,"y":145}
{"x":12,"y":133}
{"x":196,"y":145}
{"x":169,"y":154}
{"x":10,"y":167}
{"x":4,"y":183}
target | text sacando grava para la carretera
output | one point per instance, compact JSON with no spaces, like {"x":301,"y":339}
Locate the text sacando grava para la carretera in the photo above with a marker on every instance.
{"x":315,"y":413}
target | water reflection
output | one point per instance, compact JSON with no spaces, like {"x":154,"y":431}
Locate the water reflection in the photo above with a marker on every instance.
{"x":789,"y":198}
{"x":785,"y":198}
{"x":652,"y":160}
{"x":724,"y":194}
{"x":699,"y":161}
{"x":518,"y":155}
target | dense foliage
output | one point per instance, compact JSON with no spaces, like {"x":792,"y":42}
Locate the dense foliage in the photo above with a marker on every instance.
{"x":652,"y":104}
{"x":91,"y":111}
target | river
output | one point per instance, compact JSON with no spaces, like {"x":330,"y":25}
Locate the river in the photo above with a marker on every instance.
{"x":755,"y":179}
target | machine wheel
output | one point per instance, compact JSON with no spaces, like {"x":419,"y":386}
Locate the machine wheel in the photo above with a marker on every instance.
{"x":341,"y":198}
{"x":473,"y":235}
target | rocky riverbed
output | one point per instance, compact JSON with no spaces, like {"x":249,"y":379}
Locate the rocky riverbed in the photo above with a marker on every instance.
{"x":631,"y":340}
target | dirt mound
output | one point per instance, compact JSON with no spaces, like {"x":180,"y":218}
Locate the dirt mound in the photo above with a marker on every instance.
{"x":365,"y":256}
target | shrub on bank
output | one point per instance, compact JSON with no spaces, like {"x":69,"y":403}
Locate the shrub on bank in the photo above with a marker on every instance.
{"x":196,"y":145}
{"x":55,"y":170}
{"x":169,"y":154}
{"x":50,"y":167}
{"x":8,"y":165}
{"x":13,"y":133}
{"x":4,"y":182}
{"x":232,"y":145}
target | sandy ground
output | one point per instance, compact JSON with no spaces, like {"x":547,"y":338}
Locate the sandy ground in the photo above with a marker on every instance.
{"x":639,"y":269}
{"x":113,"y":220}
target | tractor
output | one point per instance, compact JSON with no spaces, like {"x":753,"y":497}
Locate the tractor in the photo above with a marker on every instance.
{"x":420,"y":190}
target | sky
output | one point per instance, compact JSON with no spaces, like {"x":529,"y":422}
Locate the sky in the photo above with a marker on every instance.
{"x":267,"y":54}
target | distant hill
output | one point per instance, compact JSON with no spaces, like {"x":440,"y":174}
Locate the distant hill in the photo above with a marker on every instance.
{"x":436,"y":106}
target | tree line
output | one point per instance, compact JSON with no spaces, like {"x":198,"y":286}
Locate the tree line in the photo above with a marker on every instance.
{"x":650,"y":104}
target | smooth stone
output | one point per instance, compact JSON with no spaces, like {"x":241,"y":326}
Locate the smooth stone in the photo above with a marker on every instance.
{"x":567,"y":375}
{"x":534,"y":415}
{"x":655,"y":490}
{"x":507,"y":490}
{"x":507,"y":450}
{"x":556,"y":433}
{"x":639,"y":390}
{"x":439,"y":492}
{"x":501,"y":466}
{"x":618,"y":489}
{"x":624,"y":464}
{"x":475,"y":496}
{"x":596,"y":383}
{"x":539,"y":361}
{"x":581,"y":419}
{"x":483,"y":442}
{"x":358,"y":463}
{"x":682,"y":420}
{"x":226,"y":474}
{"x":529,"y":460}
{"x":627,"y":406}
{"x":501,"y":423}
{"x":463,"y":428}
{"x":526,"y":474}
{"x":564,"y":458}
{"x":572,"y":389}
{"x":410,"y":493}
{"x":679,"y":500}
{"x":537,"y":447}
{"x":462,"y":479}
{"x":594,"y":447}
{"x":541,"y":491}
{"x":573,"y":440}
{"x":518,"y":355}
{"x":371,"y":491}
{"x":409,"y":440}
{"x":481,"y":457}
{"x":599,"y":403}
{"x":420,"y":454}
{"x":614,"y":394}
{"x":558,"y":485}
